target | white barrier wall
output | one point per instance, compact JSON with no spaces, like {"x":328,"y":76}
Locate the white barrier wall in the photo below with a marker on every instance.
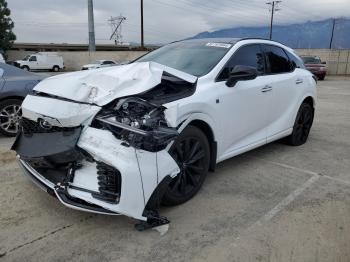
{"x":338,"y":61}
{"x":73,"y":60}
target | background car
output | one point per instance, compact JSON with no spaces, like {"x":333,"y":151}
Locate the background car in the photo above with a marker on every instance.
{"x":15,"y":84}
{"x":2,"y":60}
{"x":99,"y":64}
{"x":41,"y":61}
{"x":315,"y":66}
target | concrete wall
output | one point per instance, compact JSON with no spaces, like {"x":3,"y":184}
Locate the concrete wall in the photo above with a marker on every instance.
{"x":338,"y":61}
{"x":75,"y":59}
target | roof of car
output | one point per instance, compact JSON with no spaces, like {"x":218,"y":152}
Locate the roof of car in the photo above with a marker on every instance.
{"x":227,"y":40}
{"x":218,"y":40}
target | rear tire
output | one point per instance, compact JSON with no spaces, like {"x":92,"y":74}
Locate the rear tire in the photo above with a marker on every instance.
{"x":10,"y":115}
{"x":302,"y":126}
{"x":191,"y":151}
{"x":56,"y":69}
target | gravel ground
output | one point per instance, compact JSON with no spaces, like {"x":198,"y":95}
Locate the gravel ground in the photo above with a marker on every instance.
{"x":276,"y":203}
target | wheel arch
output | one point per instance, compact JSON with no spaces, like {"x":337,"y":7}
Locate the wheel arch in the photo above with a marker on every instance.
{"x":309,"y":100}
{"x":11,"y":97}
{"x":209,"y":133}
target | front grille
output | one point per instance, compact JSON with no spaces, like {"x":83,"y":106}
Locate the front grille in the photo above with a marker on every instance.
{"x":109,"y":183}
{"x":30,"y":127}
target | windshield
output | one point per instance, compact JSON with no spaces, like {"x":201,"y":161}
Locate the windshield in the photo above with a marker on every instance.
{"x":26,"y":58}
{"x":311,"y":60}
{"x":193,"y":58}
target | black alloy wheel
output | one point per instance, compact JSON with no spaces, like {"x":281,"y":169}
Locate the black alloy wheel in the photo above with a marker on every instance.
{"x":191,"y":152}
{"x":302,"y":125}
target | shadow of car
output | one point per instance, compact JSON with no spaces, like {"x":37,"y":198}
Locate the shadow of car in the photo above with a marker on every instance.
{"x":15,"y":84}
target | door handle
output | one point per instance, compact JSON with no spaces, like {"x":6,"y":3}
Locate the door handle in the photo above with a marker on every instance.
{"x":266,"y":88}
{"x":299,"y":81}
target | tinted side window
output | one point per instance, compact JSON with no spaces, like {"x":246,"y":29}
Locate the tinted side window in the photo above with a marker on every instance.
{"x":107,"y":63}
{"x":295,"y":61}
{"x":32,"y":58}
{"x":277,"y":59}
{"x":250,"y":55}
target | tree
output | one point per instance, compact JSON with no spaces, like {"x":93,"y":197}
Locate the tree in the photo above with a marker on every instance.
{"x":7,"y":37}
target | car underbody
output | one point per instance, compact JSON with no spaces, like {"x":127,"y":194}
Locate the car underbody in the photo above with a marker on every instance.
{"x":102,"y":153}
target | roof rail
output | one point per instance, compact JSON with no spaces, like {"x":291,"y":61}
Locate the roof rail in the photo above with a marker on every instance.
{"x":259,"y":38}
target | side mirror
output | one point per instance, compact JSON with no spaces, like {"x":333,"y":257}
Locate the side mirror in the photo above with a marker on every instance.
{"x":241,"y":73}
{"x":1,"y":72}
{"x":323,"y":63}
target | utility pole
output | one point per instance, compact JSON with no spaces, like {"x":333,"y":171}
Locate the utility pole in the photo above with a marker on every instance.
{"x":92,"y":46}
{"x":332,"y":34}
{"x":142,"y":40}
{"x":273,"y":10}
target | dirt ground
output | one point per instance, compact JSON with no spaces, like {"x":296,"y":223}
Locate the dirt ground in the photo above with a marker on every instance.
{"x":276,"y":203}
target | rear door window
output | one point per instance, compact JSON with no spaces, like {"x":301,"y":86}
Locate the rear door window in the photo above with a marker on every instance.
{"x":277,"y":59}
{"x":295,"y":60}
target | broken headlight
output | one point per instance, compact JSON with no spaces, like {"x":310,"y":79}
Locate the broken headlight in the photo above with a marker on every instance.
{"x":137,"y":122}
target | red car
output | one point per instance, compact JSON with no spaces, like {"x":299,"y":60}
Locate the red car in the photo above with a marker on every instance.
{"x":315,"y":66}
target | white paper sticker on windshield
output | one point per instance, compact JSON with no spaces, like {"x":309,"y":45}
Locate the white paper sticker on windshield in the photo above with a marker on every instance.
{"x":219,"y":45}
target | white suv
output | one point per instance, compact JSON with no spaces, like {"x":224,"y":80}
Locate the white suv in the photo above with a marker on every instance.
{"x":124,"y":139}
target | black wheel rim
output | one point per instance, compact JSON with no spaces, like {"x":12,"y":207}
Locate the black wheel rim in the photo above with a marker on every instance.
{"x":190,"y":156}
{"x":303,"y":125}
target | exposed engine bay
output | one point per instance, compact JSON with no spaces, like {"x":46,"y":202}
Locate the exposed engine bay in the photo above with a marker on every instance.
{"x":137,"y":122}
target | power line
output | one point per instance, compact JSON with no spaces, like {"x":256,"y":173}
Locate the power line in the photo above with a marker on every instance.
{"x":273,"y":10}
{"x":116,"y":25}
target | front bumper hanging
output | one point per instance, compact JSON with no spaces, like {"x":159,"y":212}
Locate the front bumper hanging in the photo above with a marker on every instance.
{"x":107,"y":176}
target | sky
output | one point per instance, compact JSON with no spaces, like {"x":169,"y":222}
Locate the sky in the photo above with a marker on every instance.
{"x":65,"y":21}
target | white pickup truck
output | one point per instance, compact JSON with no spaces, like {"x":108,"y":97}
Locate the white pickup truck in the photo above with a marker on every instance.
{"x":41,"y":61}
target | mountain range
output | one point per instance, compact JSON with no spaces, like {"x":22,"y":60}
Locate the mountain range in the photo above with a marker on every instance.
{"x":312,"y":34}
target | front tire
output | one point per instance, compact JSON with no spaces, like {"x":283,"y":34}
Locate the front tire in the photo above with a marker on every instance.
{"x":10,"y":115}
{"x":25,"y":68}
{"x":192,"y":153}
{"x":302,"y":125}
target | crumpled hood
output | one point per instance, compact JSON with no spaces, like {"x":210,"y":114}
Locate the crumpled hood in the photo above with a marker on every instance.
{"x":102,"y":86}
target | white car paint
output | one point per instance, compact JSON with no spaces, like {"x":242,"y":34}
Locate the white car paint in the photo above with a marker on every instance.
{"x":105,"y":85}
{"x":241,"y":118}
{"x":99,"y":64}
{"x":2,"y":60}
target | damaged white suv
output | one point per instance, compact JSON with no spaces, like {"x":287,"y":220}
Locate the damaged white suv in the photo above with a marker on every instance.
{"x":123,"y":140}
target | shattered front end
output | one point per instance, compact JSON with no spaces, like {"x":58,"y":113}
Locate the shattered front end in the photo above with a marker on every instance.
{"x":109,"y":158}
{"x":109,"y":167}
